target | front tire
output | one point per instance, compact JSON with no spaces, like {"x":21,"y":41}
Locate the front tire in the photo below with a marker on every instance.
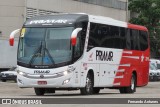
{"x":15,"y":80}
{"x":39,"y":91}
{"x":88,"y":89}
{"x":96,"y":90}
{"x":3,"y":80}
{"x":131,"y":88}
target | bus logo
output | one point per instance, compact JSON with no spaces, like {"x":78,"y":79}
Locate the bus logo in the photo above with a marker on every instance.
{"x":91,"y":57}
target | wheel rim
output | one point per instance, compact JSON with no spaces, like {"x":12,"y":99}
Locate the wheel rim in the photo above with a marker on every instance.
{"x":132,"y":83}
{"x":88,"y":84}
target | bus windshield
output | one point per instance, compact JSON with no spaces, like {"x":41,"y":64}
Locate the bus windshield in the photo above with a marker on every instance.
{"x":153,"y":67}
{"x":45,"y":46}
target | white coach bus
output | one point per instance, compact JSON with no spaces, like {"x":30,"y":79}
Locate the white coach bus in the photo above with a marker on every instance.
{"x":80,"y":51}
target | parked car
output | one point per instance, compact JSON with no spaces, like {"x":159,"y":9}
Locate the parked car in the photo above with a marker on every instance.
{"x":11,"y":74}
{"x":154,"y":73}
{"x":156,"y":62}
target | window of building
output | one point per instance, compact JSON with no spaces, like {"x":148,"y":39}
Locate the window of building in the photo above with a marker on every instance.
{"x":107,"y":3}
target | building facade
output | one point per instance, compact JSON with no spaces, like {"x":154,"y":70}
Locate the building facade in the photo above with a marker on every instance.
{"x":14,"y":12}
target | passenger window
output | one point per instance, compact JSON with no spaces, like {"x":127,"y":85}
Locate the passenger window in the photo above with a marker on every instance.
{"x":128,"y":39}
{"x":135,"y":39}
{"x":116,"y":37}
{"x":143,"y":40}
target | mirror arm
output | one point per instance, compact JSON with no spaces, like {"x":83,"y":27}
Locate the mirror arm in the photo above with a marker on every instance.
{"x":74,"y":36}
{"x":11,"y":38}
{"x":74,"y":40}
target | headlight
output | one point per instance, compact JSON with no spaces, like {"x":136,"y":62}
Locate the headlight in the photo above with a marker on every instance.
{"x":67,"y":72}
{"x":21,"y":73}
{"x":151,"y":74}
{"x":63,"y":73}
{"x":158,"y":73}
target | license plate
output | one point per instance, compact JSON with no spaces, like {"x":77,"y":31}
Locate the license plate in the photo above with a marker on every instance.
{"x":3,"y":76}
{"x":42,"y":82}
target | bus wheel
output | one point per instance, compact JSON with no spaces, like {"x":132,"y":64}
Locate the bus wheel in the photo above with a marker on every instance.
{"x":122,"y":90}
{"x":15,"y":80}
{"x":3,"y":80}
{"x":131,"y":88}
{"x":39,"y":91}
{"x":96,"y":90}
{"x":88,"y":89}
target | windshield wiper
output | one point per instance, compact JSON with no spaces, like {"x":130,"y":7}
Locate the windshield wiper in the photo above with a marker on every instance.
{"x":49,"y":56}
{"x":35,"y":54}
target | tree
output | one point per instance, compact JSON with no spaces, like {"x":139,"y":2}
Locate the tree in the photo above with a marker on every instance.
{"x":148,"y":14}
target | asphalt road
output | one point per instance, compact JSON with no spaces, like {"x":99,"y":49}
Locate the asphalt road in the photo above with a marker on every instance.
{"x":11,"y":90}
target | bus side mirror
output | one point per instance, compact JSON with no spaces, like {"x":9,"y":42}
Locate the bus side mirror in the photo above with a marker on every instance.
{"x":74,"y":36}
{"x":11,"y":38}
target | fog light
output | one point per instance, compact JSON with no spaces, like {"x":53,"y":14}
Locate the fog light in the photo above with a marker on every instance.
{"x":66,"y":81}
{"x":20,"y":81}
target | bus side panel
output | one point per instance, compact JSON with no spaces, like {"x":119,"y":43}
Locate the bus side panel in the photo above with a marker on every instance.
{"x":144,"y":77}
{"x":132,"y":61}
{"x":89,"y":67}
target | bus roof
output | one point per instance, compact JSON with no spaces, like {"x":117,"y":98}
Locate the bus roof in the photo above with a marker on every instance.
{"x":56,"y":20}
{"x":113,"y":22}
{"x":71,"y":19}
{"x":137,"y":27}
{"x":106,"y":20}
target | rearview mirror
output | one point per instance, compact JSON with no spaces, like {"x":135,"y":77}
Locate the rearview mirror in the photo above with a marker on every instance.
{"x":11,"y":38}
{"x":74,"y":36}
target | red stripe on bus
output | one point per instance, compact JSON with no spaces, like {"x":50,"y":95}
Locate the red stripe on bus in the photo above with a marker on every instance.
{"x":137,"y":27}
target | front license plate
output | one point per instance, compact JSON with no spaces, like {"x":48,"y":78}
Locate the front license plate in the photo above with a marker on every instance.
{"x":42,"y":82}
{"x":3,"y":76}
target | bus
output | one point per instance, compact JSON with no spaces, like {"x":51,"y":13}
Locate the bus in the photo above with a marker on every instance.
{"x":81,"y":52}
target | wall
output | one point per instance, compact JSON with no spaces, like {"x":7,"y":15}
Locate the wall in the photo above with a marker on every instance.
{"x":8,"y":54}
{"x":71,"y":6}
{"x":11,"y":16}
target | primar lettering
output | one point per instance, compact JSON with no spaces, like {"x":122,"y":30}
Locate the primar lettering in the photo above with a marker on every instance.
{"x":104,"y":55}
{"x":47,"y":21}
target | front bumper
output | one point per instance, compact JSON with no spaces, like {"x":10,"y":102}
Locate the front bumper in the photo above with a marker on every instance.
{"x":154,"y":78}
{"x":24,"y":82}
{"x":9,"y":77}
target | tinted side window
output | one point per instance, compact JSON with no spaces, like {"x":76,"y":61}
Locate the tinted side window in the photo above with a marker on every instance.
{"x":81,"y":39}
{"x":122,"y":38}
{"x":143,"y":40}
{"x":93,"y":37}
{"x":116,"y":37}
{"x":83,"y":35}
{"x":134,"y":39}
{"x":107,"y":36}
{"x":128,"y":39}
